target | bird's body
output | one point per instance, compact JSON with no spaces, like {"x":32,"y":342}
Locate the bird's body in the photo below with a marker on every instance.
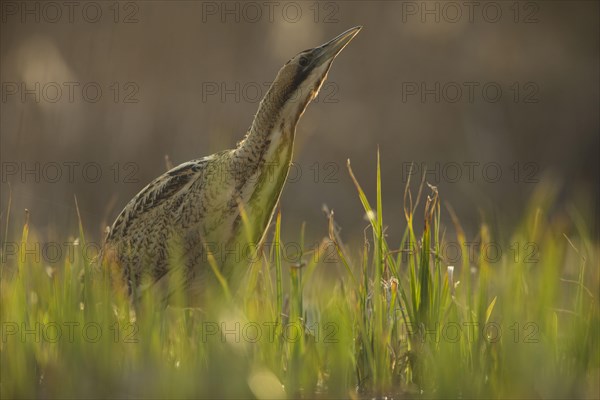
{"x":171,"y":226}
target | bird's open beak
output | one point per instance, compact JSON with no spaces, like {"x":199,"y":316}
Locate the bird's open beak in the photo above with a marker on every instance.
{"x":329,"y":50}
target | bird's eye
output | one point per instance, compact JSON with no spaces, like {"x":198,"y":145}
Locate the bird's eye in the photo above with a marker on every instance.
{"x":303,"y":61}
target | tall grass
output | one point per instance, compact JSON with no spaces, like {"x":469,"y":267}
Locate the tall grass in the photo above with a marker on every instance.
{"x":397,"y":321}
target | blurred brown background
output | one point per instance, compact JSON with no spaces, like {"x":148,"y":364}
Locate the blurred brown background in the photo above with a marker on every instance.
{"x":470,"y":90}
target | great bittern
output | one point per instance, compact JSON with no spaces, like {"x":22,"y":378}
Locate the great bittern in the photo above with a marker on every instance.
{"x":198,"y":207}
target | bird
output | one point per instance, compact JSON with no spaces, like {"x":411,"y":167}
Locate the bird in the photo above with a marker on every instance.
{"x":221,"y":205}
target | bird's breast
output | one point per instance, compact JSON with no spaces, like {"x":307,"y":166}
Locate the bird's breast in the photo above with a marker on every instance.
{"x":263,"y":179}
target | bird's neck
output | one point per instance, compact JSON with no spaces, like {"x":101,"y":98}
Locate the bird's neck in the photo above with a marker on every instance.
{"x":262,"y":159}
{"x":272,"y":131}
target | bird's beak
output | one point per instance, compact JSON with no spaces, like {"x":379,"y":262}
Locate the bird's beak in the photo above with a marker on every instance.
{"x":328,"y":51}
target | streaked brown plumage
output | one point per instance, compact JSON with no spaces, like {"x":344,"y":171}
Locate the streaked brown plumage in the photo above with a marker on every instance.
{"x":167,"y":228}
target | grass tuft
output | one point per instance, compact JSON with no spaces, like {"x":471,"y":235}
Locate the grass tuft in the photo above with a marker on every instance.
{"x":399,"y":321}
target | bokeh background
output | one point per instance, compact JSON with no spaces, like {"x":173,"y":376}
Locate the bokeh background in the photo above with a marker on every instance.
{"x":183,"y":79}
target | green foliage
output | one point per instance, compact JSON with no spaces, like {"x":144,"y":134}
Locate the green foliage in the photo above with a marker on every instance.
{"x":397,"y":321}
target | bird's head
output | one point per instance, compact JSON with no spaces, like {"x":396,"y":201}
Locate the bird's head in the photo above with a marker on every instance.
{"x":299,"y":80}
